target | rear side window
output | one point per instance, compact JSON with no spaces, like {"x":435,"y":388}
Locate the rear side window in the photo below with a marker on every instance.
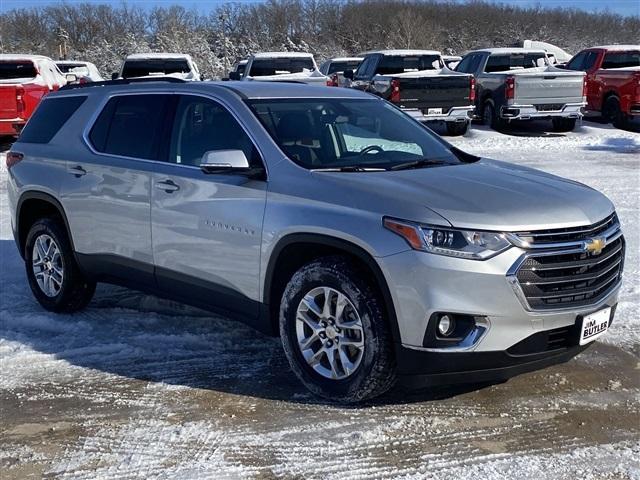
{"x":49,"y":117}
{"x":145,"y":68}
{"x":515,"y":61}
{"x":130,"y":126}
{"x":621,"y":60}
{"x":17,"y":70}
{"x":342,"y":66}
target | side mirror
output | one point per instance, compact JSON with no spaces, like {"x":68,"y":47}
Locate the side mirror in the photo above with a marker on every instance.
{"x":71,"y":77}
{"x":348,"y":74}
{"x":220,"y":161}
{"x":115,"y":75}
{"x":235,"y":76}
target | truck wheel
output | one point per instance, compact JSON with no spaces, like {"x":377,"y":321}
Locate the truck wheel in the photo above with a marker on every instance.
{"x":456,"y":129}
{"x":490,"y":116}
{"x":613,"y":113}
{"x":335,"y":333}
{"x":52,"y":272}
{"x":563,"y":124}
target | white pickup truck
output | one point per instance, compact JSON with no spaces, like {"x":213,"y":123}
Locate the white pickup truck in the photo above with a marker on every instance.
{"x":283,"y":67}
{"x":521,"y":84}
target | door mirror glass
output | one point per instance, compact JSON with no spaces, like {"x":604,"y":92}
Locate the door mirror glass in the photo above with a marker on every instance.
{"x":114,"y":75}
{"x":234,"y":76}
{"x":224,"y":161}
{"x":71,"y":77}
{"x":348,"y":74}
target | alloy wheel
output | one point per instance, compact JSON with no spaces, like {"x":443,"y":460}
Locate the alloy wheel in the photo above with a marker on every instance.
{"x":329,"y":332}
{"x":47,"y":265}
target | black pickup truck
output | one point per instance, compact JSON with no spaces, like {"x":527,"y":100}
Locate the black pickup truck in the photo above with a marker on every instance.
{"x":418,"y":82}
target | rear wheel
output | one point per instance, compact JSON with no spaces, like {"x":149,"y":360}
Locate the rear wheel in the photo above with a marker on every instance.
{"x":491,"y":117}
{"x":613,"y":113}
{"x":52,"y":272}
{"x":563,"y":124}
{"x":335,"y":333}
{"x":456,"y":129}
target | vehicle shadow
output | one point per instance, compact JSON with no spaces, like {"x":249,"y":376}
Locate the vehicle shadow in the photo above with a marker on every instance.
{"x":137,"y":336}
{"x":618,"y":145}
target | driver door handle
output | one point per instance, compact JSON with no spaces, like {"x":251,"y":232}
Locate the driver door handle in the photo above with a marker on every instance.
{"x":168,"y":186}
{"x":77,"y":170}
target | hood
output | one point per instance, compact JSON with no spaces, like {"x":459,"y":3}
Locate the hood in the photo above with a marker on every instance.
{"x":487,"y":195}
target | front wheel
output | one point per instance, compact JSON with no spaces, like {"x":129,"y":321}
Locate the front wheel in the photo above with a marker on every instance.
{"x":335,"y":333}
{"x":456,"y":129}
{"x":563,"y":124}
{"x":52,"y":272}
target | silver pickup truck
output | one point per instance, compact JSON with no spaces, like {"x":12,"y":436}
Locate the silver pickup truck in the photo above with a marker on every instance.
{"x":521,"y":84}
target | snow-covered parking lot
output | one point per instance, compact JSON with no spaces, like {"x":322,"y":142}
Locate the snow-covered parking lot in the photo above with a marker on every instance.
{"x":138,"y":387}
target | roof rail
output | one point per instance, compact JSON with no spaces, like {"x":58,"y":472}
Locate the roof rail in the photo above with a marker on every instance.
{"x":122,"y":81}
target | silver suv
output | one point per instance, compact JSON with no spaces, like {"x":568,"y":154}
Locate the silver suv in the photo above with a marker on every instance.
{"x":376,"y":250}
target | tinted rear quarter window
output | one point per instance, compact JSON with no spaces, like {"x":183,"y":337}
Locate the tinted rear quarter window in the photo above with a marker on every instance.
{"x":621,"y":59}
{"x":130,"y":126}
{"x":49,"y":117}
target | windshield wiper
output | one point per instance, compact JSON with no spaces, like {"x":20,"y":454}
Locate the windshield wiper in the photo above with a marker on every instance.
{"x":348,"y":168}
{"x":423,"y":162}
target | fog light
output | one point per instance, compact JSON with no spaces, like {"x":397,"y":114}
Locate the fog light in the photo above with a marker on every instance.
{"x":446,"y":325}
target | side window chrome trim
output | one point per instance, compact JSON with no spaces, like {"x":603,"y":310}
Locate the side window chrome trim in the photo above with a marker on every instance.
{"x":94,"y":117}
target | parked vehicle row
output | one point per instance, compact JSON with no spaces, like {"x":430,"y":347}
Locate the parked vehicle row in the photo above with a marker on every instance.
{"x":498,"y":86}
{"x":377,"y":252}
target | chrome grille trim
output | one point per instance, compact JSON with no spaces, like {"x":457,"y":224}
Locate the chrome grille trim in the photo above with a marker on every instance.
{"x":559,"y":276}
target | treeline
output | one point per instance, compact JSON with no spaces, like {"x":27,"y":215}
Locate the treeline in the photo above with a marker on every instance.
{"x":104,"y":34}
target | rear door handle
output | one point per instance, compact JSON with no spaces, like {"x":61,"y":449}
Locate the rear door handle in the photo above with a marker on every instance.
{"x":77,"y":170}
{"x":168,"y":186}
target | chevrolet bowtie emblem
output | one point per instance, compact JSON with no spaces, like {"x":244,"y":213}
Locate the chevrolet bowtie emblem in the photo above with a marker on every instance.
{"x":595,"y":245}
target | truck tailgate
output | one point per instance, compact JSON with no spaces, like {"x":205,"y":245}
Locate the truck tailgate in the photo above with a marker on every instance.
{"x":8,"y":104}
{"x":548,"y":88}
{"x":434,"y":91}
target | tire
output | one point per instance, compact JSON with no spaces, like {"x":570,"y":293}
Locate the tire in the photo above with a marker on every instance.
{"x":47,"y":249}
{"x":612,"y":113}
{"x":563,"y":124}
{"x":456,"y":129}
{"x":369,"y":352}
{"x":491,"y":118}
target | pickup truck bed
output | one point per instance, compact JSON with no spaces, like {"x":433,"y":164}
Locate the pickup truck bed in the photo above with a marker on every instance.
{"x":429,"y":93}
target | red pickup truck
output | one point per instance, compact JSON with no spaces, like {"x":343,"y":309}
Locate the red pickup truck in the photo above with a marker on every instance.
{"x":24,"y":80}
{"x":613,"y":81}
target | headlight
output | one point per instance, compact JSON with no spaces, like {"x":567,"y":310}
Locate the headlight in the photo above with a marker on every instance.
{"x":471,"y":244}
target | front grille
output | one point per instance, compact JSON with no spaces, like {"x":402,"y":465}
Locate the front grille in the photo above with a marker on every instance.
{"x":571,"y":234}
{"x":567,"y":275}
{"x":549,"y":107}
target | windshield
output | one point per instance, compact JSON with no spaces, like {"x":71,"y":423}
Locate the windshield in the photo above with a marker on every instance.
{"x":15,"y":70}
{"x":342,"y":66}
{"x":145,"y":68}
{"x":338,"y":133}
{"x":262,"y":67}
{"x":516,"y":61}
{"x":390,"y":65}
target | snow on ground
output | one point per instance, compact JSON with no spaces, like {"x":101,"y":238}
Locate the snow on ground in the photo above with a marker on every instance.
{"x":138,"y":387}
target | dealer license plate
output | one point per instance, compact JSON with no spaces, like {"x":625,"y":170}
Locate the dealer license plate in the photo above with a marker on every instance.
{"x":594,"y":325}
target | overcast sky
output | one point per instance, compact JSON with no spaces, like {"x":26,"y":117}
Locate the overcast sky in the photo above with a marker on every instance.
{"x":623,"y":7}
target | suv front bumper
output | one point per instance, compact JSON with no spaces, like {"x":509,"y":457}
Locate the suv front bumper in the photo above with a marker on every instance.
{"x":424,"y":284}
